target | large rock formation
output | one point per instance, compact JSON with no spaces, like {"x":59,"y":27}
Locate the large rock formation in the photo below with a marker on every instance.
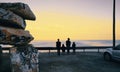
{"x":14,"y":36}
{"x":20,"y":9}
{"x":24,"y":57}
{"x":8,"y":18}
{"x":12,"y":23}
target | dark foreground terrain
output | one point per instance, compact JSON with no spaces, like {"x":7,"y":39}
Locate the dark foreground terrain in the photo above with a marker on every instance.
{"x":81,"y":62}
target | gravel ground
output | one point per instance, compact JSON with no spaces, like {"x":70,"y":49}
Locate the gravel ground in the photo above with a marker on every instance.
{"x":81,"y":62}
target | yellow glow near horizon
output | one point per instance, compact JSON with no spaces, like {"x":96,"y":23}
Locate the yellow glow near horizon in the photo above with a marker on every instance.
{"x":50,"y":26}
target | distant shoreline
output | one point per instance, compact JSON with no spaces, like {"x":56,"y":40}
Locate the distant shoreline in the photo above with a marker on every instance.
{"x":78,"y":43}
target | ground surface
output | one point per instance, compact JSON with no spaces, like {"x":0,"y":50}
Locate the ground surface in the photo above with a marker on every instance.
{"x":81,"y":62}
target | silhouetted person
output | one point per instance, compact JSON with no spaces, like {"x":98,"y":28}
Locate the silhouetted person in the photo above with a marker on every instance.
{"x":58,"y":45}
{"x":74,"y":47}
{"x":68,"y":43}
{"x":63,"y":48}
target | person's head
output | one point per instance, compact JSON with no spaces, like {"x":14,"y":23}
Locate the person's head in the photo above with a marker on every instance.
{"x":68,"y":38}
{"x":58,"y":39}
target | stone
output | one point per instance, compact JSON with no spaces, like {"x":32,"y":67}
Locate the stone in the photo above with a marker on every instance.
{"x":14,"y":36}
{"x":24,"y":58}
{"x":9,"y":19}
{"x":20,"y":9}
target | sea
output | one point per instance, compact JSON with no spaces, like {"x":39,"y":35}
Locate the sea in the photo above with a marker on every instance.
{"x":79,"y":43}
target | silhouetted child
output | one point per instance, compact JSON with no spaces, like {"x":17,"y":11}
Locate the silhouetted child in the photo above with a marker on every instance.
{"x":74,"y":47}
{"x":68,"y":43}
{"x":58,"y":45}
{"x":63,"y":48}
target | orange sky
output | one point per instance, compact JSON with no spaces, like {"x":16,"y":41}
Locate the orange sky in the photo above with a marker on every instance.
{"x":77,"y":19}
{"x":50,"y":26}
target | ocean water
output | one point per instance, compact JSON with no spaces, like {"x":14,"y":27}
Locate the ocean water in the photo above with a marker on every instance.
{"x":78,"y":43}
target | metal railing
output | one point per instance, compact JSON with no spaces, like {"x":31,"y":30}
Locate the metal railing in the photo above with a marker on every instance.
{"x":77,"y":48}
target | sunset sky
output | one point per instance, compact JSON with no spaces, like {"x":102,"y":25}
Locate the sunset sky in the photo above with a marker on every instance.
{"x":77,"y":19}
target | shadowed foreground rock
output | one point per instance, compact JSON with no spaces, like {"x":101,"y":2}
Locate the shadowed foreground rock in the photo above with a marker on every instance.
{"x":24,"y":59}
{"x":14,"y":36}
{"x":20,"y":9}
{"x":8,"y":18}
{"x":23,"y":56}
{"x":12,"y":23}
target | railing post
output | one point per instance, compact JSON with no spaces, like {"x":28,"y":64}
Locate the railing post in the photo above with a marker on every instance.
{"x":49,"y":51}
{"x":9,"y":50}
{"x":98,"y":50}
{"x":0,"y":55}
{"x":114,"y":35}
{"x":84,"y":50}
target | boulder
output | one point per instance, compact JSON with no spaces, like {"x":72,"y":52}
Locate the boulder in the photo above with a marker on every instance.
{"x":24,"y":58}
{"x":14,"y":36}
{"x":9,"y":19}
{"x":20,"y":9}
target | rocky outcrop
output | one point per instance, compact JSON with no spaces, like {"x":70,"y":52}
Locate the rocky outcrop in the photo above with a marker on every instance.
{"x":20,"y":9}
{"x":8,"y":18}
{"x":24,"y":57}
{"x":14,"y":36}
{"x":12,"y":23}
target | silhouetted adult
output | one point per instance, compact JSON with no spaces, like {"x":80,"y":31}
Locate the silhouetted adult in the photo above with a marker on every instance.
{"x":63,"y":48}
{"x":68,"y":43}
{"x":74,"y":47}
{"x":58,"y":45}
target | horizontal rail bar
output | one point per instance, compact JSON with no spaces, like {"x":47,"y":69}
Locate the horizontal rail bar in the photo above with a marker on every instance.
{"x":54,"y":48}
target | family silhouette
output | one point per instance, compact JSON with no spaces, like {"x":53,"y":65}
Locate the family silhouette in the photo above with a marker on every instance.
{"x":67,"y":47}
